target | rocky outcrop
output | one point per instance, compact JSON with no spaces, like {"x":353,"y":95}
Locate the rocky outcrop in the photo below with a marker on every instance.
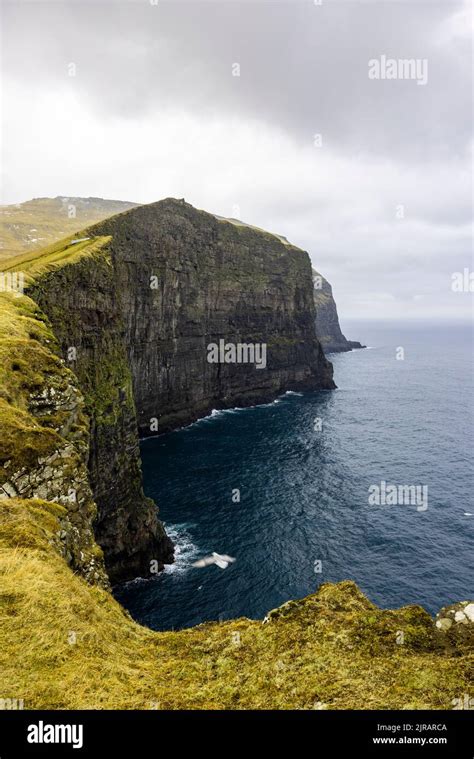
{"x":45,"y":434}
{"x":457,"y":622}
{"x":328,"y":329}
{"x":135,"y":302}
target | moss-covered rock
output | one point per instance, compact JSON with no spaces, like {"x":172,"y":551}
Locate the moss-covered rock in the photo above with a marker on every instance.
{"x":44,"y":439}
{"x":186,"y":279}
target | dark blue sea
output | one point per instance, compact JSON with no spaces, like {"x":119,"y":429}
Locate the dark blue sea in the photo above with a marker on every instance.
{"x":304,"y":491}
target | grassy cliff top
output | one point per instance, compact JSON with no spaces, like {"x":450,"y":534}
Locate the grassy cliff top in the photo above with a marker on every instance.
{"x":67,"y":644}
{"x":239,"y":223}
{"x":28,"y":229}
{"x":29,"y":226}
{"x":66,"y":251}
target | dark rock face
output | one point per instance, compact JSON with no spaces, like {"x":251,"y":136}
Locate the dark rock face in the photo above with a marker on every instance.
{"x":80,"y":301}
{"x":140,"y":311}
{"x":188,"y":280}
{"x":327,"y":321}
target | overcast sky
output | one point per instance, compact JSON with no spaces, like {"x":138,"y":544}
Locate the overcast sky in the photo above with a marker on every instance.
{"x":381,"y":199}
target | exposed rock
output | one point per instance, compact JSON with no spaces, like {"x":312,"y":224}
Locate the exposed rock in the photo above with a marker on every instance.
{"x":214,"y":280}
{"x":81,"y":302}
{"x":469,"y":612}
{"x":461,"y":612}
{"x":444,"y":624}
{"x":45,"y":437}
{"x":327,"y":321}
{"x":457,"y":622}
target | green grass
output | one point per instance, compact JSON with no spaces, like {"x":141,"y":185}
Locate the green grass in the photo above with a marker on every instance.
{"x":25,"y":362}
{"x":30,"y":226}
{"x":66,"y":644}
{"x":35,"y":264}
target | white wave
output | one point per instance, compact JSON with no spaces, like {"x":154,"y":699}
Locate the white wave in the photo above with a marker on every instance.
{"x":221,"y":411}
{"x":185,"y":551}
{"x":217,"y":412}
{"x":213,"y":415}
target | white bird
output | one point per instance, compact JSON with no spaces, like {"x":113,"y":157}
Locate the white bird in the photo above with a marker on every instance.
{"x":222,"y":560}
{"x":467,"y":514}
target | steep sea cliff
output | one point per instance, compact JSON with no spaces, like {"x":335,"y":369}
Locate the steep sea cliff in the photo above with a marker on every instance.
{"x":185,"y":280}
{"x":39,"y":222}
{"x":79,"y":366}
{"x":134,"y":305}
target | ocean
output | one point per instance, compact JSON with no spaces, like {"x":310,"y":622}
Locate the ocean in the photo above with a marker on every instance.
{"x":284,"y":487}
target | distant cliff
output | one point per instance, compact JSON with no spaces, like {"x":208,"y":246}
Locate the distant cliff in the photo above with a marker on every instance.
{"x":327,"y":321}
{"x":39,"y":222}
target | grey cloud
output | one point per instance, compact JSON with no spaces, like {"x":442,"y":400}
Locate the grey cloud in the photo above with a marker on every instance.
{"x":303,"y":67}
{"x":304,"y":70}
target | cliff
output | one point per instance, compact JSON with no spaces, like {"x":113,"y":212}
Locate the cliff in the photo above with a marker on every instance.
{"x":39,"y":222}
{"x":75,"y":353}
{"x":80,"y":300}
{"x":45,"y":433}
{"x":187,"y":279}
{"x":327,"y":320}
{"x":133,"y":303}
